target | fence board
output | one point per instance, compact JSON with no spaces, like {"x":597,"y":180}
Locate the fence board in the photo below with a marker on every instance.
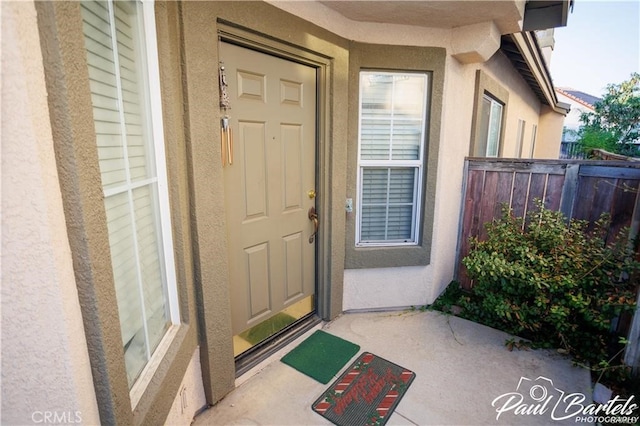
{"x":519,"y":193}
{"x":603,"y":198}
{"x":583,"y":203}
{"x":554,"y":192}
{"x":473,"y":202}
{"x":569,"y":190}
{"x":624,"y":172}
{"x":503,"y":192}
{"x":470,"y":217}
{"x":625,"y":195}
{"x":487,"y":202}
{"x":536,"y":189}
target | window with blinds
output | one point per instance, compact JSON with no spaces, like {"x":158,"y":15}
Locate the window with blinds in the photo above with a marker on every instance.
{"x":130,"y":146}
{"x":390,"y":157}
{"x":490,"y":126}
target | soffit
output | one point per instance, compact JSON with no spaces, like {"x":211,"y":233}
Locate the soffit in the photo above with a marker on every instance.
{"x":523,"y":51}
{"x":506,"y":14}
{"x":517,"y":57}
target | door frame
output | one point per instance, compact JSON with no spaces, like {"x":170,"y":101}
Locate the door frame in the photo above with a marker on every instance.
{"x":230,"y":33}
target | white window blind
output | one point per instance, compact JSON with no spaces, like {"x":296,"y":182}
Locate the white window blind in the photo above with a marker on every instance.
{"x":390,"y":160}
{"x":129,"y":140}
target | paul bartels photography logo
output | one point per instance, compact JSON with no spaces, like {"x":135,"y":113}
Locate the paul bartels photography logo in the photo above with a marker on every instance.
{"x":540,"y":397}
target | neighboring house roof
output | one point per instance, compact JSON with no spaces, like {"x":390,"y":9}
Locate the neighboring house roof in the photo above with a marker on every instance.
{"x":582,"y":98}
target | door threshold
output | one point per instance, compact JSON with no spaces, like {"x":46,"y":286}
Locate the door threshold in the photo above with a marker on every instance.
{"x":254,"y":356}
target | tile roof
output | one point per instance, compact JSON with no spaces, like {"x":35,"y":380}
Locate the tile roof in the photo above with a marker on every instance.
{"x":578,"y":96}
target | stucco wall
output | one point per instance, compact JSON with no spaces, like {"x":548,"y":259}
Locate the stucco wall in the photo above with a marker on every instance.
{"x":190,"y":398}
{"x":45,"y":362}
{"x":412,"y":286}
{"x":523,"y":104}
{"x":456,"y":119}
{"x":549,"y":131}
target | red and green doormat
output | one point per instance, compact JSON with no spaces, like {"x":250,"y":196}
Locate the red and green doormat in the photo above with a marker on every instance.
{"x":366,"y":393}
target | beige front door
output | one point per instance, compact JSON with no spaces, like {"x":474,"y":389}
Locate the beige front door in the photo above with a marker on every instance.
{"x":269,"y":189}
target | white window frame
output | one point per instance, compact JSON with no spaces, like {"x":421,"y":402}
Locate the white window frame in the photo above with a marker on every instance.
{"x":520,"y":137}
{"x":148,"y":24}
{"x":493,"y":101}
{"x":534,"y":133}
{"x":157,"y":136}
{"x":418,"y":165}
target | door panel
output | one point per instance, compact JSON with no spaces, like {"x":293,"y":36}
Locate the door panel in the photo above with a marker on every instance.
{"x":272,"y":262}
{"x":257,"y":272}
{"x":293,"y":277}
{"x":254,"y":173}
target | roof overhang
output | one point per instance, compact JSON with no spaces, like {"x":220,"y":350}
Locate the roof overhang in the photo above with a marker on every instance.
{"x":523,"y":51}
{"x":545,"y":14}
{"x":507,"y":14}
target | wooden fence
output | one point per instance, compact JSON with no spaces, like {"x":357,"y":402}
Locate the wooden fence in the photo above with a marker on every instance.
{"x":580,"y":189}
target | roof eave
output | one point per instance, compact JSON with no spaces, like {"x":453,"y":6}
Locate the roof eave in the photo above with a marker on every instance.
{"x":524,"y":52}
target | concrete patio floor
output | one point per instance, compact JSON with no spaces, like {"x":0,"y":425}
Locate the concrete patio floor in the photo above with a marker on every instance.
{"x":460,"y":366}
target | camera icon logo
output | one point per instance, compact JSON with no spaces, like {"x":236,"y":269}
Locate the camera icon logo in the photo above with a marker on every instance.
{"x":540,"y":391}
{"x":531,"y":398}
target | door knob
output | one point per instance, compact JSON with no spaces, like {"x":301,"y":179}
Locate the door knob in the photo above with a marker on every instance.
{"x":313,"y":216}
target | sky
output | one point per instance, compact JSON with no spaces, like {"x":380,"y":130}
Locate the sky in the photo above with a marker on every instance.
{"x":600,"y":45}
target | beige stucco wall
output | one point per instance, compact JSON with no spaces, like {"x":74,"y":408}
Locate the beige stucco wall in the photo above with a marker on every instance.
{"x":457,"y":117}
{"x":523,"y":104}
{"x":549,"y":134}
{"x":45,"y":362}
{"x":381,"y":288}
{"x":190,"y":398}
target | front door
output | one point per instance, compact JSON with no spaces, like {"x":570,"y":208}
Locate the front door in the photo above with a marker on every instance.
{"x":270,"y":188}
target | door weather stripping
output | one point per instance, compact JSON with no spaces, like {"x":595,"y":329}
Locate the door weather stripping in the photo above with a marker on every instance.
{"x":226,"y":133}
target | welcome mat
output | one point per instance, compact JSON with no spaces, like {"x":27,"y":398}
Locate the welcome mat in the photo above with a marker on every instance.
{"x":365,"y":394}
{"x":321,"y":356}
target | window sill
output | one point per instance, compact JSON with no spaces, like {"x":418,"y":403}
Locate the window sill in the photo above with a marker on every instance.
{"x":386,"y":245}
{"x":140,"y":386}
{"x":361,"y":257}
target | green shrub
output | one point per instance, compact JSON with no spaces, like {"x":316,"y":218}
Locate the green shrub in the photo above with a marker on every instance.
{"x":557,"y":284}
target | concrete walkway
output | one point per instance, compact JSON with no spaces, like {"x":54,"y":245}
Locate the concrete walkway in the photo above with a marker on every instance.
{"x":460,"y":366}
